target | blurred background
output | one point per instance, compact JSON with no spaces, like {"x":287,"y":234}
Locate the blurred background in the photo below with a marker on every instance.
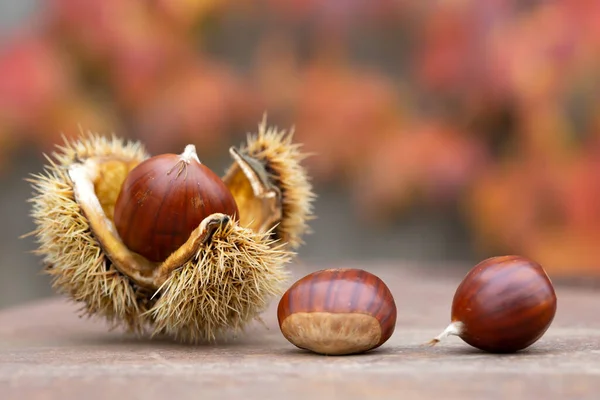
{"x":443,"y":131}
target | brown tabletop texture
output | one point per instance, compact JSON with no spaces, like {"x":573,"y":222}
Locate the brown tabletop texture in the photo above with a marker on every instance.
{"x":47,"y":352}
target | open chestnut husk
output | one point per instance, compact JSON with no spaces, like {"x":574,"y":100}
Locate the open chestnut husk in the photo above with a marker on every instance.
{"x":217,"y":253}
{"x":503,"y":305}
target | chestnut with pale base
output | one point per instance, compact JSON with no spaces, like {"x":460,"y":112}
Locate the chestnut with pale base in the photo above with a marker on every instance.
{"x":503,"y":305}
{"x":337,"y":312}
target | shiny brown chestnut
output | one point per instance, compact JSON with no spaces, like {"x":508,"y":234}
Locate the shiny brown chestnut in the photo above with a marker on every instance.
{"x":337,"y":312}
{"x":166,"y":197}
{"x":503,"y":305}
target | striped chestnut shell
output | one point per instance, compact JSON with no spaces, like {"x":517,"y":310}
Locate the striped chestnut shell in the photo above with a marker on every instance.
{"x":503,"y":305}
{"x":337,"y":312}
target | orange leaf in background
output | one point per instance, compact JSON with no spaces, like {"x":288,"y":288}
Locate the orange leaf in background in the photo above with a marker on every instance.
{"x":567,"y":242}
{"x":581,"y":193}
{"x":184,"y":14}
{"x":276,"y":75}
{"x":9,"y":143}
{"x":543,"y":208}
{"x":566,"y":253}
{"x":500,"y":207}
{"x":341,"y":114}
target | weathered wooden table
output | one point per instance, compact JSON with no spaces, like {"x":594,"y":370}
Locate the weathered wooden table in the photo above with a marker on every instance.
{"x":47,"y":352}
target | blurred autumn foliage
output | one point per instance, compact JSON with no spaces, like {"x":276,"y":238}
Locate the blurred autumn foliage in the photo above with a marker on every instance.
{"x":488,"y":107}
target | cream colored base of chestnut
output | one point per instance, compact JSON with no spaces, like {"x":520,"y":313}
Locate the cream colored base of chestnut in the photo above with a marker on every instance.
{"x":332,"y":334}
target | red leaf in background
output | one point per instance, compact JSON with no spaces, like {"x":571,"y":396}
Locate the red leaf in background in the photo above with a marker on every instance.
{"x":146,"y":54}
{"x":537,"y":65}
{"x":447,"y":51}
{"x":198,"y":104}
{"x":90,"y":24}
{"x":125,"y":41}
{"x":425,"y":162}
{"x":583,"y":16}
{"x":32,"y":77}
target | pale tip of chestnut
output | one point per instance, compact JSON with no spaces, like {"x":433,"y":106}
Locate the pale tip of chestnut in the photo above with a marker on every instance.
{"x":454,"y":329}
{"x":189,"y":154}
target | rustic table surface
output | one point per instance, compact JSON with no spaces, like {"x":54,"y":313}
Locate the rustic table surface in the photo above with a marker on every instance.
{"x":46,"y":352}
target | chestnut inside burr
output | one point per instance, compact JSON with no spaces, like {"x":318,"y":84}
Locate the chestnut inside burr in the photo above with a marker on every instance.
{"x":97,"y":183}
{"x":95,"y":193}
{"x":166,"y":197}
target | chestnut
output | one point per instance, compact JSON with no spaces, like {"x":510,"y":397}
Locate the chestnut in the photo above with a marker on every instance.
{"x":164,"y":198}
{"x":503,"y":305}
{"x":337,"y":312}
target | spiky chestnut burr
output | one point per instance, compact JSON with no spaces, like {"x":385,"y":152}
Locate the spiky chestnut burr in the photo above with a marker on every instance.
{"x":503,"y":305}
{"x":218,"y":281}
{"x":270,"y":185}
